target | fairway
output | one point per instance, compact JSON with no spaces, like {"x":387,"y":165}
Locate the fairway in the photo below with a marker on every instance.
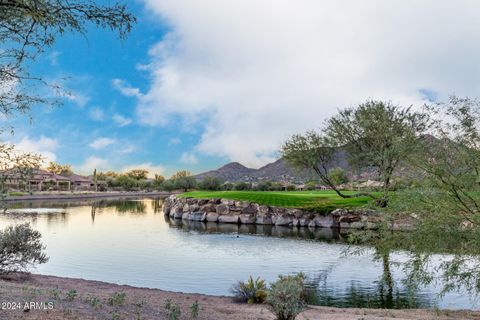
{"x":318,"y":201}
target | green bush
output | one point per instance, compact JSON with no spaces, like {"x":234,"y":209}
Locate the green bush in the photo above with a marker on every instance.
{"x":20,"y":248}
{"x":210,"y":183}
{"x":117,"y":299}
{"x":251,"y":291}
{"x":286,"y":297}
{"x":173,"y":310}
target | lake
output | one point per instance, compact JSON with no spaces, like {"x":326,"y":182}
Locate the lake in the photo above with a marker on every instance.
{"x":132,"y":242}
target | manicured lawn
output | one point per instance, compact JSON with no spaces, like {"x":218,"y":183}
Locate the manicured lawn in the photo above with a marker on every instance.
{"x":319,"y":201}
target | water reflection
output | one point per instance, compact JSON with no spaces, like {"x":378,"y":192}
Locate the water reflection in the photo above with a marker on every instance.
{"x":131,"y":242}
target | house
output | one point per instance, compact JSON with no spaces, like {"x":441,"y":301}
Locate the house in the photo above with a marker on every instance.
{"x":42,"y":180}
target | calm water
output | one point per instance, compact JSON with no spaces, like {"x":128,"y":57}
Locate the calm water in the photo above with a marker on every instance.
{"x":131,"y":242}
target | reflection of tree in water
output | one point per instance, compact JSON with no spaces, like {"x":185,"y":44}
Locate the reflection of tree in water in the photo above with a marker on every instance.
{"x":129,"y":206}
{"x":383,"y":293}
{"x":157,"y":205}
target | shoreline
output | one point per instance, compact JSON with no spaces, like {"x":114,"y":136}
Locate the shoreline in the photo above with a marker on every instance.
{"x":91,"y":302}
{"x":79,"y":196}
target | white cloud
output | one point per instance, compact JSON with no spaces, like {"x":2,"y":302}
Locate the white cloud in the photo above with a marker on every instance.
{"x":96,"y":114}
{"x":151,"y":168}
{"x":125,"y":88}
{"x":92,"y":163}
{"x":101,"y":143}
{"x":174,"y":141}
{"x":44,"y":146}
{"x":265,"y":70}
{"x":126,"y":149}
{"x":188,"y":158}
{"x":53,"y":57}
{"x":121,"y":120}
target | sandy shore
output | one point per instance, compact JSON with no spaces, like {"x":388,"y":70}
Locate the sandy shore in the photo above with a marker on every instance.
{"x":91,"y":301}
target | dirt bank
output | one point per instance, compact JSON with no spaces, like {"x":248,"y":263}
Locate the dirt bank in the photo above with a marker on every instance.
{"x":100,"y":300}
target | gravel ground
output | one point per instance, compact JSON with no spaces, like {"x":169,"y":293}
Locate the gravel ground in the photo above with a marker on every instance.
{"x":100,"y":300}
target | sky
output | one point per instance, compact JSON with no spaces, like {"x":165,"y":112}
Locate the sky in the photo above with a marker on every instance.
{"x":198,"y":84}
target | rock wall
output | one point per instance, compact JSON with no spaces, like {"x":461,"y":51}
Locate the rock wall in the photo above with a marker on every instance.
{"x":245,"y":212}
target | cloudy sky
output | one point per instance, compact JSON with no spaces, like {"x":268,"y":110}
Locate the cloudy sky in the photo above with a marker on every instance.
{"x":201,"y":83}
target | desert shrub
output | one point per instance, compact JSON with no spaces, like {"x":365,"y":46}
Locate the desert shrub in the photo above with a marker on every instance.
{"x":286,"y":296}
{"x":173,"y":310}
{"x":251,"y":291}
{"x":117,"y":299}
{"x":194,"y":310}
{"x":20,"y":248}
{"x":71,"y":295}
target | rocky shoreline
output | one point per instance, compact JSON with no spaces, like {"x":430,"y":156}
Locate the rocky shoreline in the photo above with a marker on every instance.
{"x":245,"y":212}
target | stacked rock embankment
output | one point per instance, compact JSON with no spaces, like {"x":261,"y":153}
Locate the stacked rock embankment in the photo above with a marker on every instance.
{"x":245,"y":212}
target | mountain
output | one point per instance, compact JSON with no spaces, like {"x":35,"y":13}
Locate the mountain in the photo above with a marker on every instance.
{"x":232,"y":172}
{"x":278,"y":171}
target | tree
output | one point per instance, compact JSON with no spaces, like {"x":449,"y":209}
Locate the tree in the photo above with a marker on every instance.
{"x":20,"y":248}
{"x":210,"y":183}
{"x":168,"y":185}
{"x":16,"y":166}
{"x":59,"y":168}
{"x":137,"y":174}
{"x":264,"y":185}
{"x":29,"y":27}
{"x":185,"y":183}
{"x":180,"y":174}
{"x":338,"y":176}
{"x":157,"y":181}
{"x":126,"y":182}
{"x":310,"y":185}
{"x":376,"y":134}
{"x":242,"y":186}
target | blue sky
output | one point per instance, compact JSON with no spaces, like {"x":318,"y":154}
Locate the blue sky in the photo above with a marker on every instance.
{"x":97,"y":122}
{"x":199,"y":84}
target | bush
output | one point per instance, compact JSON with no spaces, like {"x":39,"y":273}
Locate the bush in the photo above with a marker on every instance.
{"x":227,"y":186}
{"x":252,"y":291}
{"x":264,"y":186}
{"x":210,"y":183}
{"x":338,"y":176}
{"x":239,"y":186}
{"x":173,"y":310}
{"x":185,"y":183}
{"x":286,"y":297}
{"x":291,"y":187}
{"x":117,"y":299}
{"x":167,"y":185}
{"x":20,"y":248}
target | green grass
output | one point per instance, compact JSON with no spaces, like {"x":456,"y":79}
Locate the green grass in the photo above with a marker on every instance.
{"x":318,"y":201}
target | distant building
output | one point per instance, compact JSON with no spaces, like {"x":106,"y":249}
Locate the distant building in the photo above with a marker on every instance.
{"x":43,"y":180}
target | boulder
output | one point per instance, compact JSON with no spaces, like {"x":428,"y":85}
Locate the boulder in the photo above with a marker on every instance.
{"x":324,"y":221}
{"x":283,"y":220}
{"x":228,"y":202}
{"x":246,"y":218}
{"x":312,"y":224}
{"x":263,"y":209}
{"x":212,"y":217}
{"x":209,"y":207}
{"x":198,"y":216}
{"x":202,"y":202}
{"x":250,"y":209}
{"x":186,"y":216}
{"x":225,"y":218}
{"x":264,"y":219}
{"x":344,"y":225}
{"x":222,"y":209}
{"x":303,"y":222}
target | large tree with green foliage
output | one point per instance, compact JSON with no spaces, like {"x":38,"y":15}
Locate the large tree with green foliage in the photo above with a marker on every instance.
{"x":446,"y":207}
{"x":375,"y":134}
